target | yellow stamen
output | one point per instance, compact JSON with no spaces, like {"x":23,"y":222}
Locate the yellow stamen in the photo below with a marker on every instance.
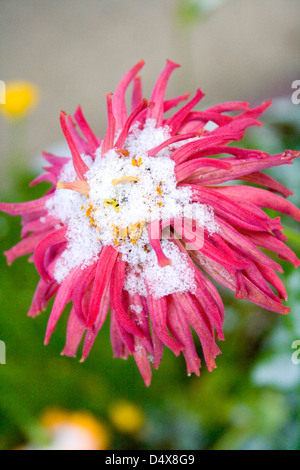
{"x":138,"y":162}
{"x":159,"y":191}
{"x":125,"y":179}
{"x":112,"y":202}
{"x":89,"y":211}
{"x":123,"y":233}
{"x":116,"y":234}
{"x":92,"y":222}
{"x":133,"y":232}
{"x":123,"y":153}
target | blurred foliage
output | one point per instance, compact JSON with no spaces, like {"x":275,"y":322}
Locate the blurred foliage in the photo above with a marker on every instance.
{"x":250,"y":402}
{"x":190,"y":12}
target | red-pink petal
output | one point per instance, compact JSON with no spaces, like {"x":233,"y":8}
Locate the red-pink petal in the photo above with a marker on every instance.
{"x":172,"y":103}
{"x":25,"y":247}
{"x":262,"y":198}
{"x":195,"y":318}
{"x":137,"y":93}
{"x":180,"y":329}
{"x":134,"y":115}
{"x":117,"y":299}
{"x":154,"y":230}
{"x":158,"y":94}
{"x":24,"y":207}
{"x":80,"y":167}
{"x":105,"y":266}
{"x":86,"y":130}
{"x":44,"y":292}
{"x":75,"y":332}
{"x":175,"y":121}
{"x":63,"y":297}
{"x":158,"y":316}
{"x":93,"y":332}
{"x":108,"y":141}
{"x":52,"y":239}
{"x":119,"y":103}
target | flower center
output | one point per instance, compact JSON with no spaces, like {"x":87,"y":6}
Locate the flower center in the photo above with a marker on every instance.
{"x":125,"y":191}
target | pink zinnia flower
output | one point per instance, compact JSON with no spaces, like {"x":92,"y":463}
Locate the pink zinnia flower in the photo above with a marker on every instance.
{"x":97,"y":236}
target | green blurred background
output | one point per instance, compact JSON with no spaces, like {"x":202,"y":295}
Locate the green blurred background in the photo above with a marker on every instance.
{"x":251,"y":401}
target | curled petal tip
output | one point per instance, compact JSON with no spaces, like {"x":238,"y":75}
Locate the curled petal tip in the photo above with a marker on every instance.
{"x":147,"y":382}
{"x":8,"y":260}
{"x":163,"y":261}
{"x":65,"y":353}
{"x":171,"y":62}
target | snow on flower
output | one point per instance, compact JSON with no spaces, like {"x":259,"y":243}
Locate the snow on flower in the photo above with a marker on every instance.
{"x":135,"y":222}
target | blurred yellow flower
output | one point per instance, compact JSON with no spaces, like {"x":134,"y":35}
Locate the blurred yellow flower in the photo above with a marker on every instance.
{"x":21,"y":98}
{"x":75,"y":430}
{"x":127,"y":417}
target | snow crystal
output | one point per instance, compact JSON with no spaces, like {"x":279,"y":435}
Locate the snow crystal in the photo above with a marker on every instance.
{"x":136,"y":308}
{"x":138,"y":349}
{"x":153,"y":197}
{"x":126,"y":193}
{"x":177,"y":277}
